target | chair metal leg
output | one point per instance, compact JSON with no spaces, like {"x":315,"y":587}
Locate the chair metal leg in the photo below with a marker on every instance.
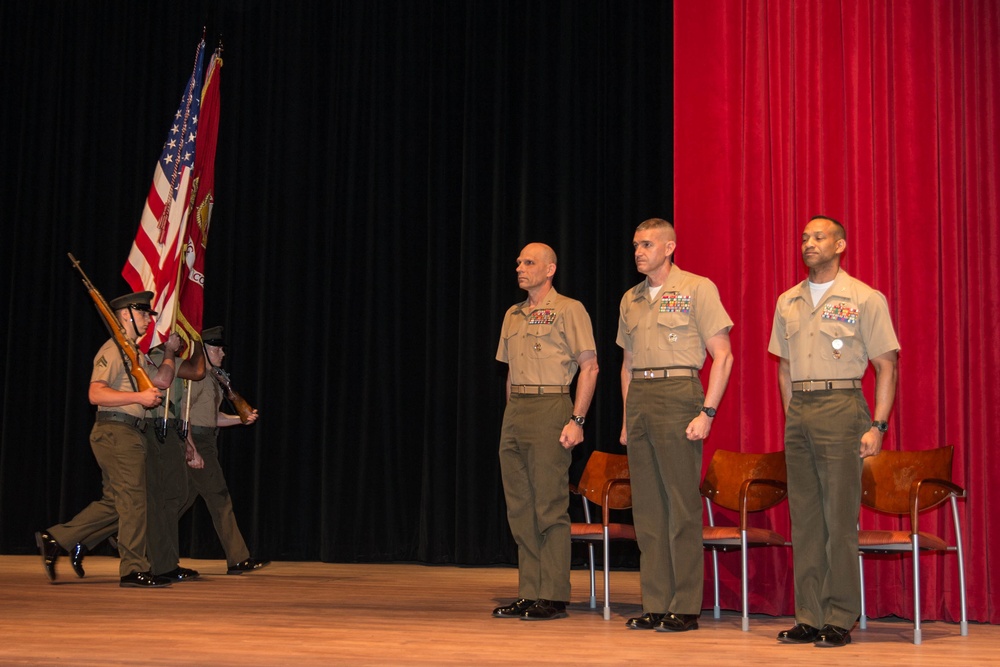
{"x":607,"y":575}
{"x":914,"y":543}
{"x":961,"y":566}
{"x":745,"y":589}
{"x":717,"y":612}
{"x":862,"y":620}
{"x":593,"y":591}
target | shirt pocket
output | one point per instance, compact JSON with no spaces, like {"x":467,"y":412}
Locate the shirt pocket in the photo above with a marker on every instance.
{"x":791,"y":330}
{"x":675,"y":332}
{"x":631,"y":322}
{"x":512,"y":330}
{"x":838,"y":342}
{"x":538,"y":340}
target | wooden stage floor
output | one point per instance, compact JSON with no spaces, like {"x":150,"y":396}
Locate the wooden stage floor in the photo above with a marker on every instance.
{"x":308,"y":613}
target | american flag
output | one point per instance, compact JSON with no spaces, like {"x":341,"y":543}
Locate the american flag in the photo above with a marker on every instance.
{"x":157,"y":255}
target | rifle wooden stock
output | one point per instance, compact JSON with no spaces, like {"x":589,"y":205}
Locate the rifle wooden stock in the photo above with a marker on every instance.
{"x":242,"y":408}
{"x":128,"y":348}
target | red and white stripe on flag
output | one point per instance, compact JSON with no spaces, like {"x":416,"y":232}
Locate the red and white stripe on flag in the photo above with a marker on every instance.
{"x":156,"y":257}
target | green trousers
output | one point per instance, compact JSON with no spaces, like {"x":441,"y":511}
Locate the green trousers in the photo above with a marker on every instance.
{"x":120,"y":451}
{"x":665,"y":469}
{"x":210,"y":484}
{"x":535,"y":469}
{"x":823,"y":432}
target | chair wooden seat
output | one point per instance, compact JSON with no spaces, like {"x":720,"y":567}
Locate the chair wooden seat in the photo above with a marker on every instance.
{"x":898,"y":540}
{"x":604,"y":483}
{"x":722,"y":537}
{"x":595,"y":531}
{"x":741,"y":482}
{"x":906,"y":484}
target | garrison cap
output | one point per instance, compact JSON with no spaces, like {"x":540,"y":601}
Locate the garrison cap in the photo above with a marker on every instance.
{"x":212,"y":336}
{"x":135,"y":301}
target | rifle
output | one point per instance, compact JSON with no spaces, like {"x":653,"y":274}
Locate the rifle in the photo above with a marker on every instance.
{"x":242,"y":408}
{"x":128,"y":348}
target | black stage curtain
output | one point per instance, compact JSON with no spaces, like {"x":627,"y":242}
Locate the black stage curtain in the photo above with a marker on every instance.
{"x":380,"y":166}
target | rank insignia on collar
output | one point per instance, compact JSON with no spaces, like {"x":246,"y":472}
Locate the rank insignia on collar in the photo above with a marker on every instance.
{"x":672,"y":302}
{"x":542,"y":316}
{"x":841,"y":312}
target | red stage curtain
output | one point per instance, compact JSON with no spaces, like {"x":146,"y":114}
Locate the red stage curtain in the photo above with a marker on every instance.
{"x":885,"y":116}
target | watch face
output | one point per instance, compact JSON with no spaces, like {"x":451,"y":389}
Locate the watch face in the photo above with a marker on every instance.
{"x":709,"y":411}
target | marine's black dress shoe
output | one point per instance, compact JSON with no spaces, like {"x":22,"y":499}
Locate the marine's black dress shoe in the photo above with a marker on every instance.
{"x":800,"y":633}
{"x":514,"y":610}
{"x":833,"y":635}
{"x":143,"y":580}
{"x":179,"y":574}
{"x":678,"y":623}
{"x":545,"y":610}
{"x":49,"y":549}
{"x":647,"y":621}
{"x":249,"y":565}
{"x":76,"y":555}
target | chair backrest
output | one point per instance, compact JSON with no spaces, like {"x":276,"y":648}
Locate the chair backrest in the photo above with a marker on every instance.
{"x":601,"y":467}
{"x":887,"y":478}
{"x":728,"y":470}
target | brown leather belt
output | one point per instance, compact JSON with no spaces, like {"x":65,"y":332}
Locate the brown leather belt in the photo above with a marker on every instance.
{"x":127,"y":419}
{"x":202,"y":430}
{"x":536,"y":389}
{"x":824,"y":385}
{"x":658,"y":373}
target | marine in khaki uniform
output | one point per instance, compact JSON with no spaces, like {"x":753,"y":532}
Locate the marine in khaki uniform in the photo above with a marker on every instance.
{"x":826,"y":331}
{"x":119,"y":445}
{"x":544,"y":340}
{"x":208,"y":480}
{"x":167,"y":484}
{"x":667,"y":324}
{"x":166,"y":479}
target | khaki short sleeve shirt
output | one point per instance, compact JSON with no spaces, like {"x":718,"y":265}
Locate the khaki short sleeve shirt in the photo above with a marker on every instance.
{"x":835,"y":339}
{"x":206,"y":397}
{"x":542,"y":344}
{"x":110,"y":369}
{"x":672,"y":328}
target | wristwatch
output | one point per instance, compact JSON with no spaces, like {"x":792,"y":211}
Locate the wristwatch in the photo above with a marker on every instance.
{"x":881,"y":426}
{"x":579,"y":419}
{"x":709,"y":411}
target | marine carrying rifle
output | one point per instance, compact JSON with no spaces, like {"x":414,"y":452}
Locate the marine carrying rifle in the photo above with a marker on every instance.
{"x":130,"y":352}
